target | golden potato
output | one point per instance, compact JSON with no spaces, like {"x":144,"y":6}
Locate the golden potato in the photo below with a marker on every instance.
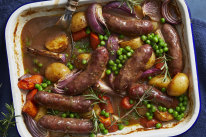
{"x":41,"y":112}
{"x":178,"y":85}
{"x":158,"y":81}
{"x":78,"y":21}
{"x":159,"y":33}
{"x":82,"y":60}
{"x":55,"y":71}
{"x":138,"y":11}
{"x":133,"y":43}
{"x":88,"y":115}
{"x":163,"y":116}
{"x":151,"y":61}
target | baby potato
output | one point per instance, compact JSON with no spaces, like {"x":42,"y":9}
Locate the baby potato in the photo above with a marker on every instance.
{"x":163,"y":116}
{"x":133,"y":43}
{"x":55,"y":71}
{"x":82,"y":60}
{"x":78,"y":21}
{"x":88,"y":115}
{"x":151,"y":61}
{"x":178,"y":85}
{"x":41,"y":112}
{"x":157,"y":81}
{"x":138,"y":11}
{"x":57,"y":43}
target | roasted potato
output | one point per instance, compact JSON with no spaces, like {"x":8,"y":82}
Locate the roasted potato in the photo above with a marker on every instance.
{"x":159,"y":33}
{"x":138,"y":11}
{"x":41,"y":112}
{"x":163,"y":116}
{"x":78,"y":21}
{"x":55,"y":71}
{"x":88,"y":115}
{"x":133,"y":43}
{"x":158,"y":81}
{"x":178,"y":85}
{"x":57,"y":43}
{"x":151,"y":61}
{"x":82,"y":60}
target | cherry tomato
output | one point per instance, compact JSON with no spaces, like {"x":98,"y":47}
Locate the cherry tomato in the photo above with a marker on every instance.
{"x":125,"y":103}
{"x":148,"y":123}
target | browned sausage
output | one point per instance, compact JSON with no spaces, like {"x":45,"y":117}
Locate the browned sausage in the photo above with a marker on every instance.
{"x":137,"y":90}
{"x":63,"y":103}
{"x":66,"y":125}
{"x":172,"y":38}
{"x":131,"y":27}
{"x":91,"y":75}
{"x":133,"y":68}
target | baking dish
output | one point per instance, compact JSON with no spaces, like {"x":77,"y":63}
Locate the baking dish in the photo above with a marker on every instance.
{"x":56,"y":7}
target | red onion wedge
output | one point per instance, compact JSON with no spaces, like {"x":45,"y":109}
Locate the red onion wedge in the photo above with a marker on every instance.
{"x":166,"y":13}
{"x":151,"y":72}
{"x":95,"y":18}
{"x":24,"y":76}
{"x":33,"y":127}
{"x":152,"y":8}
{"x":119,"y":5}
{"x":112,"y":46}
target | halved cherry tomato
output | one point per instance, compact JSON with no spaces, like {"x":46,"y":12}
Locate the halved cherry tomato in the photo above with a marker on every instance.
{"x":79,"y":35}
{"x":159,"y":64}
{"x":125,"y":103}
{"x":29,"y":83}
{"x":94,"y":40}
{"x":148,"y":123}
{"x":107,"y":107}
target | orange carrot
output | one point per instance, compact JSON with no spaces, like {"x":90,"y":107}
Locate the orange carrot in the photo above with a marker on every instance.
{"x":29,"y":83}
{"x":30,"y":108}
{"x":79,"y":35}
{"x":106,"y":121}
{"x":30,"y":95}
{"x":94,"y":40}
{"x":107,"y":107}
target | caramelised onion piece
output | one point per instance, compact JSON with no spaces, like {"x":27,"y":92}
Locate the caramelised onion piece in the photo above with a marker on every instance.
{"x":166,"y":13}
{"x":151,"y":72}
{"x":33,"y":127}
{"x":95,"y":18}
{"x":152,"y":8}
{"x":119,"y":5}
{"x":112,"y":46}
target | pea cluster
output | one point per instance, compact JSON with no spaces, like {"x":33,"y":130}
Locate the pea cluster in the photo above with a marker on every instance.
{"x":103,"y":38}
{"x":38,"y":64}
{"x":158,"y":44}
{"x":70,"y":66}
{"x":43,"y":85}
{"x":63,"y":114}
{"x":122,"y":55}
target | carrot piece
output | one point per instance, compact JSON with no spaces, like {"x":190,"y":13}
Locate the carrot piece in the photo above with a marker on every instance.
{"x":107,"y":107}
{"x":159,"y":64}
{"x":29,"y":83}
{"x":30,"y":108}
{"x":113,"y":128}
{"x":106,"y":121}
{"x":94,"y":40}
{"x":79,"y":35}
{"x":30,"y":95}
{"x":148,"y":123}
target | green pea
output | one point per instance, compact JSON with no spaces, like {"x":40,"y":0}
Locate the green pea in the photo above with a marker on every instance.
{"x":132,"y":51}
{"x":162,"y":20}
{"x":40,"y":88}
{"x":98,"y":46}
{"x":153,"y":109}
{"x":185,"y":103}
{"x":185,"y":98}
{"x":119,"y":65}
{"x":116,"y":72}
{"x":170,"y":110}
{"x":144,"y":38}
{"x":175,"y":114}
{"x":155,"y":39}
{"x":160,"y":54}
{"x":150,"y":117}
{"x":179,"y":117}
{"x":64,"y":115}
{"x":119,"y":52}
{"x":161,"y":43}
{"x":117,"y":61}
{"x":121,"y":57}
{"x":84,"y":61}
{"x":125,"y":57}
{"x":101,"y":37}
{"x":163,"y":89}
{"x":147,"y":114}
{"x":128,"y":48}
{"x":106,"y":114}
{"x":120,"y":126}
{"x":105,"y":131}
{"x":164,"y":109}
{"x":49,"y":91}
{"x":111,"y":62}
{"x":71,"y":115}
{"x":148,"y":42}
{"x":131,"y":101}
{"x":91,"y":135}
{"x":145,"y":102}
{"x":148,"y":105}
{"x":114,"y":68}
{"x":149,"y":37}
{"x":157,"y":51}
{"x":152,"y":43}
{"x":124,"y":51}
{"x":101,"y":126}
{"x":71,"y":67}
{"x":165,"y":44}
{"x":180,"y":99}
{"x":150,"y":77}
{"x":182,"y":108}
{"x":56,"y":112}
{"x":160,"y":108}
{"x":48,"y":82}
{"x":121,"y":36}
{"x":161,"y":50}
{"x":181,"y":104}
{"x":156,"y":47}
{"x":126,"y":123}
{"x":44,"y":85}
{"x":35,"y":61}
{"x":40,"y":65}
{"x":129,"y":54}
{"x":35,"y":70}
{"x":177,"y":109}
{"x":182,"y":115}
{"x":88,"y":31}
{"x":37,"y":86}
{"x":105,"y":37}
{"x":158,"y":125}
{"x":108,"y":72}
{"x":165,"y":49}
{"x":102,"y":43}
{"x":152,"y":34}
{"x":103,"y":112}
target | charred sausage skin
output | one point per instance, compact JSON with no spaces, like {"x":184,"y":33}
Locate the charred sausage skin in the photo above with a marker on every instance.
{"x":91,"y":75}
{"x":66,"y":125}
{"x":133,"y":68}
{"x":129,"y":27}
{"x":137,"y":90}
{"x":63,"y":103}
{"x":173,"y":40}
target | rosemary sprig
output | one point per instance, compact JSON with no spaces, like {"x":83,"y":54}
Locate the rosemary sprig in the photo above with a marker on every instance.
{"x":95,"y":120}
{"x":8,"y":120}
{"x":94,"y":96}
{"x":132,"y":3}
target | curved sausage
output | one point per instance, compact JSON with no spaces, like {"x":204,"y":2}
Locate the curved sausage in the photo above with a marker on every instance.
{"x":137,"y":90}
{"x":133,"y":68}
{"x":63,"y":103}
{"x":173,"y":40}
{"x":130,"y":27}
{"x":66,"y":125}
{"x":91,"y":75}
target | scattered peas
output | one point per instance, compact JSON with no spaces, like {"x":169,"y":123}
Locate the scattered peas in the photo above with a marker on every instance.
{"x":103,"y":112}
{"x":120,"y":126}
{"x":163,"y":89}
{"x":35,"y":61}
{"x":37,"y":86}
{"x":128,"y":48}
{"x":40,"y":65}
{"x":177,"y":109}
{"x":162,"y":20}
{"x":185,"y":103}
{"x":182,"y":108}
{"x":64,"y":115}
{"x":148,"y":41}
{"x":116,"y":72}
{"x":150,"y":77}
{"x":91,"y":135}
{"x":114,"y":68}
{"x":108,"y":72}
{"x":88,"y":31}
{"x":160,"y":108}
{"x":121,"y":36}
{"x":117,"y":61}
{"x":166,"y":49}
{"x":101,"y":126}
{"x":131,"y":101}
{"x":98,"y":46}
{"x":147,"y":114}
{"x":126,"y":123}
{"x":105,"y":37}
{"x":44,"y":85}
{"x":179,"y":117}
{"x":144,"y":38}
{"x":185,"y":98}
{"x":49,"y":91}
{"x":181,"y":104}
{"x":170,"y":110}
{"x":148,"y":105}
{"x":105,"y":131}
{"x":106,"y":114}
{"x":71,"y":115}
{"x":145,"y":102}
{"x":40,"y":88}
{"x":150,"y":117}
{"x":129,"y":54}
{"x":155,"y":39}
{"x":121,"y":57}
{"x":153,"y":109}
{"x":158,"y":125}
{"x":119,"y":65}
{"x":56,"y":112}
{"x":175,"y":114}
{"x":35,"y":70}
{"x":102,"y":43}
{"x":164,"y":109}
{"x":48,"y":82}
{"x":119,"y":52}
{"x":101,"y":37}
{"x":84,"y":61}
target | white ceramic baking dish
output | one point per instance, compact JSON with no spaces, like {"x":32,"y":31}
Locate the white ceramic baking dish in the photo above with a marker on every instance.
{"x":56,"y":7}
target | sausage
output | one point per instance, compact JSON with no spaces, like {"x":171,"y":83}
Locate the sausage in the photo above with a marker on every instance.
{"x":133,"y":68}
{"x":172,"y":38}
{"x":91,"y":74}
{"x":66,"y":125}
{"x":137,"y":90}
{"x":63,"y":103}
{"x":130,"y":27}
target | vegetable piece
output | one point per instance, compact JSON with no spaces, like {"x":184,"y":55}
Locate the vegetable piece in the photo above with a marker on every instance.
{"x":133,"y":43}
{"x":125,"y":103}
{"x":57,"y":43}
{"x":30,"y":95}
{"x":88,"y":115}
{"x":105,"y":120}
{"x":138,"y":11}
{"x":79,"y":61}
{"x":148,"y":123}
{"x":56,"y":71}
{"x":107,"y":107}
{"x":158,"y":81}
{"x":151,"y":72}
{"x":159,"y":64}
{"x":29,"y":83}
{"x":30,"y":108}
{"x":112,"y":46}
{"x":94,"y":40}
{"x":78,"y":22}
{"x":163,"y":116}
{"x":178,"y":85}
{"x":79,"y":35}
{"x":41,"y":112}
{"x":151,"y":61}
{"x":113,"y":128}
{"x":166,"y":13}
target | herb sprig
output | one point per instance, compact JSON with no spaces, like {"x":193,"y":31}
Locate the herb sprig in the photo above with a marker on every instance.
{"x":95,"y":120}
{"x":93,"y":95}
{"x":132,"y":3}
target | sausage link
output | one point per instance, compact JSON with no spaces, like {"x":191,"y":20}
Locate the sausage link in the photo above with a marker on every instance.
{"x":66,"y":125}
{"x":136,"y":91}
{"x":63,"y":103}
